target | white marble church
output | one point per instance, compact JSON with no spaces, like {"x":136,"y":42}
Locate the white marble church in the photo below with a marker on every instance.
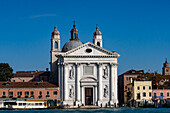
{"x":86,"y":72}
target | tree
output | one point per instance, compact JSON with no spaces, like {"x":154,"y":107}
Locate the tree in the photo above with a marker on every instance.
{"x":5,"y":72}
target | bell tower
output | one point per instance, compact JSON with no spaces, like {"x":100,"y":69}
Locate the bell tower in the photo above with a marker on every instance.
{"x":55,"y":40}
{"x":165,"y":69}
{"x":55,"y":49}
{"x":97,"y":37}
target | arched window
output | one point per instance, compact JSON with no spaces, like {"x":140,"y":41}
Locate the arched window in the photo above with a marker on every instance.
{"x":40,"y":93}
{"x":56,"y":45}
{"x":98,"y":43}
{"x":74,"y":35}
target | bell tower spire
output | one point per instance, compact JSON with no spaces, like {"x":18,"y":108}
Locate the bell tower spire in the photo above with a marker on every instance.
{"x":97,"y":37}
{"x":74,"y":32}
{"x":166,"y":69}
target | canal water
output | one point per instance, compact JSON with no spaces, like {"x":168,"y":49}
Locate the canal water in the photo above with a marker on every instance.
{"x":114,"y":110}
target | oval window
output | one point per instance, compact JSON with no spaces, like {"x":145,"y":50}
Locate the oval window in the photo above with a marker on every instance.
{"x":88,"y":50}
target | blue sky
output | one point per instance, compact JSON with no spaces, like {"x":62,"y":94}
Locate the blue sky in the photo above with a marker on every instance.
{"x":139,"y":30}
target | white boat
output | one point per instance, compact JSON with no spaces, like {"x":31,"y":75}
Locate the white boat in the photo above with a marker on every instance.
{"x":26,"y":104}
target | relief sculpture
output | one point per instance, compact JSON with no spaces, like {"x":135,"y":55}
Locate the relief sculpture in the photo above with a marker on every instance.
{"x":71,"y":91}
{"x":105,"y":91}
{"x":71,"y":73}
{"x":105,"y":72}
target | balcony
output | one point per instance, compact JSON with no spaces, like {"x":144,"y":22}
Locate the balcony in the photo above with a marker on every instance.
{"x":3,"y":96}
{"x":40,"y":96}
{"x":47,"y":95}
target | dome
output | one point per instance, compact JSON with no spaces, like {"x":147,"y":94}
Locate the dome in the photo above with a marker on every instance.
{"x":55,"y":32}
{"x":71,"y":45}
{"x":97,"y":32}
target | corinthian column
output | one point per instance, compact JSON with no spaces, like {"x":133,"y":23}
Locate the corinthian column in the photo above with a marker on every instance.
{"x":112,"y":81}
{"x":78,"y":84}
{"x":113,"y":84}
{"x":66,"y":74}
{"x":100,"y":92}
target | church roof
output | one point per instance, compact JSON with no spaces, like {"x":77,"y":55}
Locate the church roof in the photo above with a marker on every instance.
{"x":28,"y":85}
{"x":71,"y":45}
{"x":74,"y":40}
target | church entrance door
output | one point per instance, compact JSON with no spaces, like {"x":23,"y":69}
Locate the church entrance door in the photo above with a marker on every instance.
{"x":88,"y":96}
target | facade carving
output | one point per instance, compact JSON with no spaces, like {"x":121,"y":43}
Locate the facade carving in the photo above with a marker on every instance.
{"x":105,"y":72}
{"x":71,"y":91}
{"x":71,"y":72}
{"x":106,"y":91}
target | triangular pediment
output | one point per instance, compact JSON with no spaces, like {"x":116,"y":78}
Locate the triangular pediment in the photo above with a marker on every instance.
{"x":89,"y":49}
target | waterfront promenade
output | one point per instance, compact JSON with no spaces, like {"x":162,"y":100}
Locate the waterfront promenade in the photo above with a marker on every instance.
{"x":102,"y":110}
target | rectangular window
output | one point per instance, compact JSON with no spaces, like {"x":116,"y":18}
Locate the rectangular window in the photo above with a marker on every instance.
{"x":161,"y":94}
{"x":20,"y":104}
{"x":127,"y":78}
{"x":3,"y":93}
{"x":138,"y":96}
{"x":149,"y":87}
{"x":167,"y":94}
{"x":24,"y":104}
{"x":150,"y":94}
{"x":88,"y":70}
{"x":48,"y":93}
{"x":144,"y":94}
{"x":154,"y":95}
{"x":143,"y":87}
{"x":32,"y":93}
{"x":138,"y":88}
{"x":19,"y":93}
{"x":26,"y":93}
{"x":11,"y":93}
{"x":55,"y":92}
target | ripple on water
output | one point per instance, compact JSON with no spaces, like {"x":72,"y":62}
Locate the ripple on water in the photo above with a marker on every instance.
{"x":114,"y":110}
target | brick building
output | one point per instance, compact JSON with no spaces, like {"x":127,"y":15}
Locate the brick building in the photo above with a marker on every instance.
{"x":34,"y":90}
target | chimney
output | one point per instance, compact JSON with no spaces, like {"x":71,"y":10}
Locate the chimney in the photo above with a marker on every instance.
{"x":46,"y":69}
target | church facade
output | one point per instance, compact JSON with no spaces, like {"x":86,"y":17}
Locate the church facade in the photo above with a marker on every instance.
{"x":86,"y":72}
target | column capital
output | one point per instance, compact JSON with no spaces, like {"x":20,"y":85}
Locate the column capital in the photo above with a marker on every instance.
{"x":77,"y":64}
{"x":99,"y":64}
{"x":113,"y":64}
{"x":65,"y":64}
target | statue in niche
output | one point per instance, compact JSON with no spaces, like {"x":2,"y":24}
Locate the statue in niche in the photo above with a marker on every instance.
{"x":71,"y":91}
{"x":105,"y":72}
{"x":71,"y":73}
{"x":105,"y":91}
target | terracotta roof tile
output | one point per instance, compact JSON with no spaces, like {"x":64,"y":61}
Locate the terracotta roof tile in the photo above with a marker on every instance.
{"x":28,"y":85}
